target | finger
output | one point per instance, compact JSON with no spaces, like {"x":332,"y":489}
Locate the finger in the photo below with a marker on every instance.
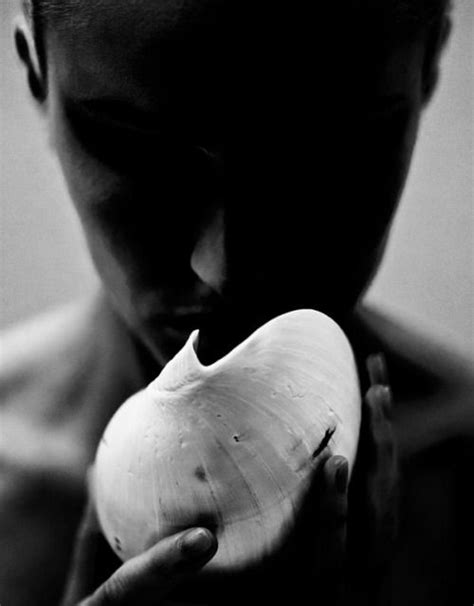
{"x":147,"y":578}
{"x":377,"y":369}
{"x":382,"y":478}
{"x":376,"y":451}
{"x":318,"y":516}
{"x":382,"y":468}
{"x":333,"y":511}
{"x":378,"y":401}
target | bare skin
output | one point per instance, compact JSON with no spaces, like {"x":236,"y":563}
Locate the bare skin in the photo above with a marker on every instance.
{"x":199,"y":162}
{"x":43,"y":490}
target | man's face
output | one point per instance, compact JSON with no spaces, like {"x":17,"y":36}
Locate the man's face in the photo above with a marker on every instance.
{"x":283,"y":136}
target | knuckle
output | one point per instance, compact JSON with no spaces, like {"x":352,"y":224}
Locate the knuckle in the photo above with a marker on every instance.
{"x":379,"y":404}
{"x":375,"y":395}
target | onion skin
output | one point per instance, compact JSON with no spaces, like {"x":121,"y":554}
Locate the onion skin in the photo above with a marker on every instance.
{"x":231,"y":445}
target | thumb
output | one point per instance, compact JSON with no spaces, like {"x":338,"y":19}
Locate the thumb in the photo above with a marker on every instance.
{"x":149,"y":577}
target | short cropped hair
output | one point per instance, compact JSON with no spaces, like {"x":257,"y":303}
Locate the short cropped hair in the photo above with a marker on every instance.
{"x":412,"y":17}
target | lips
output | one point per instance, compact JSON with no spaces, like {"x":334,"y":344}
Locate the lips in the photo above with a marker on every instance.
{"x":223,"y":322}
{"x":185,"y":323}
{"x":180,"y":309}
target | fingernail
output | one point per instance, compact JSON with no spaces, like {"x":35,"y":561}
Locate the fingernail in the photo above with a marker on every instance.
{"x":342,"y":475}
{"x":377,"y":369}
{"x":196,"y":542}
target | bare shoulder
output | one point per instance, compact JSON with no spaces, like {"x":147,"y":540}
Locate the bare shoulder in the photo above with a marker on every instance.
{"x":42,"y":465}
{"x":41,"y":347}
{"x":46,"y":368}
{"x":62,"y":376}
{"x":43,"y":370}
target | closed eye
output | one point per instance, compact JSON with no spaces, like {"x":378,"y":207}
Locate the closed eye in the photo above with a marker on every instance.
{"x":118,"y":114}
{"x":127,"y":146}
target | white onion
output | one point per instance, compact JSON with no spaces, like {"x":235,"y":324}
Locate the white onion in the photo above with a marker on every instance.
{"x":229,"y":445}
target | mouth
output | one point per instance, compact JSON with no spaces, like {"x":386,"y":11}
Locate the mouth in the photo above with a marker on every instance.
{"x":177,"y":312}
{"x":182,"y":322}
{"x":220,"y":328}
{"x":223,"y":322}
{"x":225,"y":328}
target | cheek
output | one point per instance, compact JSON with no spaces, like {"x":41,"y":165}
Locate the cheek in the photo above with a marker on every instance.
{"x":160,"y":198}
{"x":89,"y":182}
{"x":136,"y":239}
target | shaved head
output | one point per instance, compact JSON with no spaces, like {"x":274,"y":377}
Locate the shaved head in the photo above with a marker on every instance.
{"x":403,"y":18}
{"x":279,"y":127}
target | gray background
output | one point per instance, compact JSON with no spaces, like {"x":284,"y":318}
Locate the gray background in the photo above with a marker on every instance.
{"x":427,"y":276}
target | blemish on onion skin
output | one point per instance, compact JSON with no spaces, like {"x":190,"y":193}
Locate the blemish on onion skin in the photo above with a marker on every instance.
{"x":297,"y":445}
{"x":293,"y":392}
{"x":118,"y":544}
{"x":324,"y":442}
{"x":200,"y":474}
{"x":236,"y":438}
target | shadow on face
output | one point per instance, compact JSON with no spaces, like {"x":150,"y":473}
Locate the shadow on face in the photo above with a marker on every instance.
{"x":295,"y":127}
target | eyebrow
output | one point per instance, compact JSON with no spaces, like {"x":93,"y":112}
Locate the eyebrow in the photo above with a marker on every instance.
{"x":152,"y":121}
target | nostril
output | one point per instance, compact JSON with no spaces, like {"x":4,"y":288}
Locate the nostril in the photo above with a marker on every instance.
{"x":208,"y":259}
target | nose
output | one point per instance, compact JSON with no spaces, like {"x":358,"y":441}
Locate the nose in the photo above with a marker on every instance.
{"x":208,"y":258}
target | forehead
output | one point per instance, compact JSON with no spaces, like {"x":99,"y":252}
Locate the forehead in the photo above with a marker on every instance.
{"x":146,"y":47}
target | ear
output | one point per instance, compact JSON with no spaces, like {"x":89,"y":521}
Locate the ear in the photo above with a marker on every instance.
{"x":26,"y":50}
{"x":437,"y":37}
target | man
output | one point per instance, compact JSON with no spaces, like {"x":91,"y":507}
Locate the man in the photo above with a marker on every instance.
{"x":229,"y":163}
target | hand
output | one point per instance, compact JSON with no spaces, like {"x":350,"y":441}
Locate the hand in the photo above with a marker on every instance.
{"x":98,"y":578}
{"x":335,"y":552}
{"x":308,"y":561}
{"x":354,"y":527}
